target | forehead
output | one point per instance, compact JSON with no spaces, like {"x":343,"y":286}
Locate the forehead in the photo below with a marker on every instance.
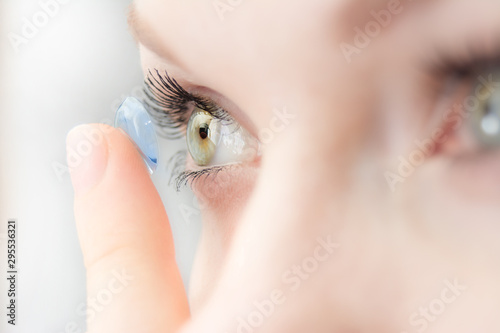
{"x":211,"y":27}
{"x":215,"y":41}
{"x":290,"y":46}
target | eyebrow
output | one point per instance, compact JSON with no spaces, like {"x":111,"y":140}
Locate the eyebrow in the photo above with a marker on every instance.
{"x":144,"y":35}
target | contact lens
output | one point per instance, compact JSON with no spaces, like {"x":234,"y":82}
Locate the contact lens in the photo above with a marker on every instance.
{"x":134,"y":120}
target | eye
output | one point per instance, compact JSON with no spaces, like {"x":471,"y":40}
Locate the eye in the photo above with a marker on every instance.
{"x":203,"y":134}
{"x":215,"y":142}
{"x":485,"y":120}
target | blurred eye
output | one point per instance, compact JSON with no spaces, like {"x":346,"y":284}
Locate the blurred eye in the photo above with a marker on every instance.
{"x":215,"y":142}
{"x":485,"y":118}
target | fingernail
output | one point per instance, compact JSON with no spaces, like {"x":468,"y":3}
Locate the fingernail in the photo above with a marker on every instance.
{"x":87,"y":155}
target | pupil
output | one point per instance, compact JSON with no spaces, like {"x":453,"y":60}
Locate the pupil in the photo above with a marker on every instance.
{"x":204,"y":131}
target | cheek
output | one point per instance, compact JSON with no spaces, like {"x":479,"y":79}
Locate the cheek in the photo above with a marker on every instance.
{"x":222,"y":199}
{"x":477,"y":176}
{"x":458,"y":202}
{"x":223,"y":195}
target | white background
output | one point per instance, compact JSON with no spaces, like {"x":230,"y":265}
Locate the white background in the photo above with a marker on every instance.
{"x":76,"y":69}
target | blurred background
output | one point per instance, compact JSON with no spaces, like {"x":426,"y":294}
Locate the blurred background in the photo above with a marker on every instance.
{"x":63,"y":63}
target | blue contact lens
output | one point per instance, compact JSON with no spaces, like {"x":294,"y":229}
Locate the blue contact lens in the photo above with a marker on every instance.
{"x":133,"y":118}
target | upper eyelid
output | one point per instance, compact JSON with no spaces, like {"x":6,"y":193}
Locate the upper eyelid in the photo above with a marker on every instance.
{"x":171,"y":105}
{"x":236,"y":113}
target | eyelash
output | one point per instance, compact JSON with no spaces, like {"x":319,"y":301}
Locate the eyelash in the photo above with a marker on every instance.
{"x":170,"y":106}
{"x":181,"y":177}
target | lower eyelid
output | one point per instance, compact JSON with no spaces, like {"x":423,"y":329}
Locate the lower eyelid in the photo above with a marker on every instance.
{"x":217,"y":178}
{"x":193,"y":177}
{"x":230,"y":183}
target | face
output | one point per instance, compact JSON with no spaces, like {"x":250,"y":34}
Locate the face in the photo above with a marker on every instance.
{"x":345,"y":156}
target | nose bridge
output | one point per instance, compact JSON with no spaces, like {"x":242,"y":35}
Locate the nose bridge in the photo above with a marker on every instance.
{"x":301,"y":179}
{"x":291,"y":228}
{"x":312,"y":175}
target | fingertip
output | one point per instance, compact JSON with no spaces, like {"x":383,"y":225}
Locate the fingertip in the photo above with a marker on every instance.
{"x":87,"y":156}
{"x":93,"y":148}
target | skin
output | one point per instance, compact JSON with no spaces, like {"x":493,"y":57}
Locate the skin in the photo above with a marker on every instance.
{"x":322,"y":177}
